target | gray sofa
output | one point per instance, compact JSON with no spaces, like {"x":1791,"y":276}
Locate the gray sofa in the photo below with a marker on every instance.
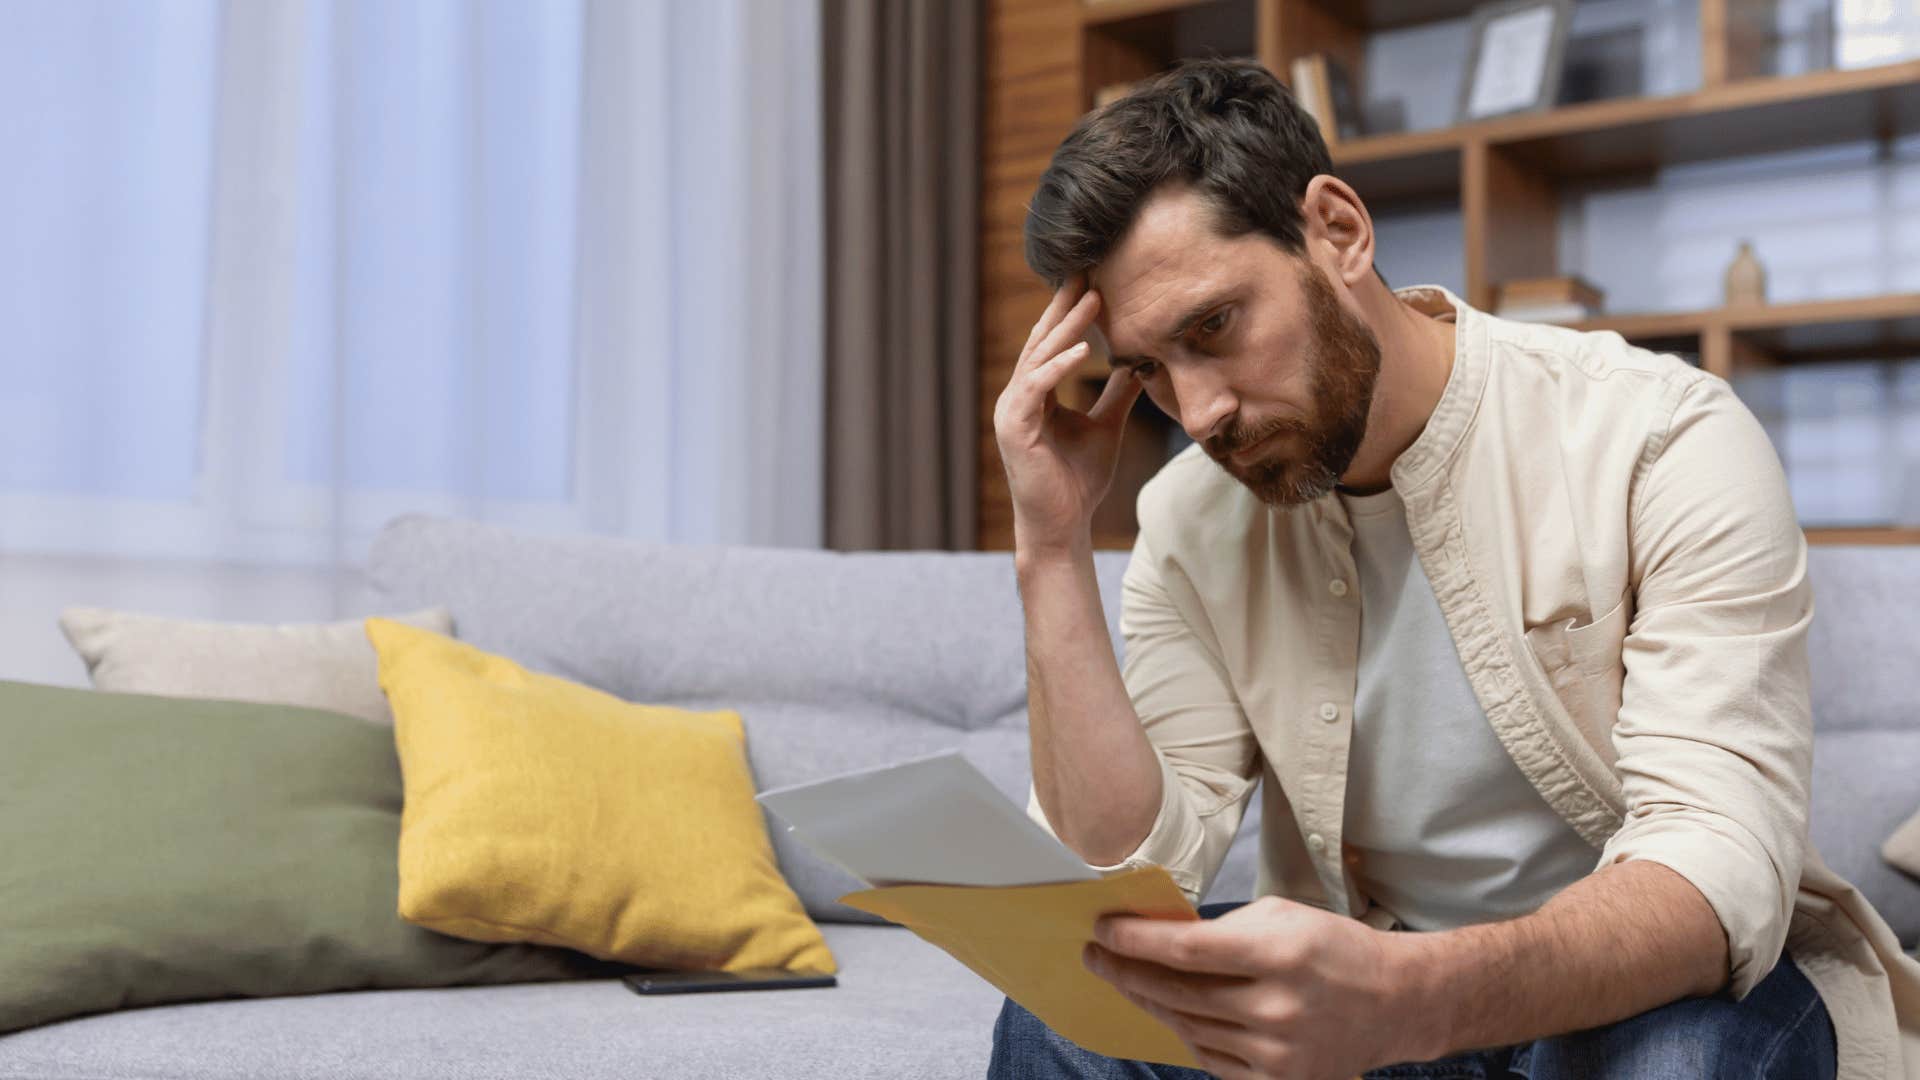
{"x":839,"y":662}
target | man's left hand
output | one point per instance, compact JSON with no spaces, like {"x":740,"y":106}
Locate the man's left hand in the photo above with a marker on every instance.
{"x":1273,"y":989}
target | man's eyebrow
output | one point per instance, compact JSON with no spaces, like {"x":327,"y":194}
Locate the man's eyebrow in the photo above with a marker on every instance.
{"x":1194,"y":314}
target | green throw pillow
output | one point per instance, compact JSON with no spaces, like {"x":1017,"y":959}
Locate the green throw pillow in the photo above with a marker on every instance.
{"x":163,"y":849}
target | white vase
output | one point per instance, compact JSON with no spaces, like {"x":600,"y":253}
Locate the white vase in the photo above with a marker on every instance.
{"x":1746,"y":282}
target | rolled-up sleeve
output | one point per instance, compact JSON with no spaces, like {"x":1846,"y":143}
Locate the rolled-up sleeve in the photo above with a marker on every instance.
{"x":1714,"y":734}
{"x":1194,"y":721}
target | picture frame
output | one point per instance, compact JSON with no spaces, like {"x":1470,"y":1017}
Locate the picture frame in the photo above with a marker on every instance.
{"x":1514,"y":61}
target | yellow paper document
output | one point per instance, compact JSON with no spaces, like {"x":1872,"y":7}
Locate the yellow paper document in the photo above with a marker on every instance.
{"x":1027,"y":940}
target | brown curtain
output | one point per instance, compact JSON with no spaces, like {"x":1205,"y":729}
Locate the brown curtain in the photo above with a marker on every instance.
{"x":901,"y":120}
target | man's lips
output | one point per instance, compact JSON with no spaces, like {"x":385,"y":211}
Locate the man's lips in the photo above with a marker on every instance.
{"x":1247,"y":455}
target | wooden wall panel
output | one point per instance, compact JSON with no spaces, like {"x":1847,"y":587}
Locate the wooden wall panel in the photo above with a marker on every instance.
{"x":1032,"y":91}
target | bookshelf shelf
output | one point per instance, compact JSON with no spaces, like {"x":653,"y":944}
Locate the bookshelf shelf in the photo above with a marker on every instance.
{"x":1891,"y":321}
{"x":1387,"y":14}
{"x":1600,"y":138}
{"x":1359,"y":14}
{"x":1727,"y":338}
{"x":1100,"y":12}
{"x":1877,"y":535}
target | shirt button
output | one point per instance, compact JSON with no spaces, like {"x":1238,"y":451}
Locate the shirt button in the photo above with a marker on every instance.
{"x":1317,"y":842}
{"x":1329,"y":711}
{"x":1337,"y":587}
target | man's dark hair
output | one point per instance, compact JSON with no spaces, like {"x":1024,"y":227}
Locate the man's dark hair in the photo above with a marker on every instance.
{"x":1226,"y":127}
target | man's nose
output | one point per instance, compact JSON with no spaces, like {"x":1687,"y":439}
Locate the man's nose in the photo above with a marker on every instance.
{"x":1205,"y":405}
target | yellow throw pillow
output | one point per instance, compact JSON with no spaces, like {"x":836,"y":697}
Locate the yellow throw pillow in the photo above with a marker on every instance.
{"x":541,"y":810}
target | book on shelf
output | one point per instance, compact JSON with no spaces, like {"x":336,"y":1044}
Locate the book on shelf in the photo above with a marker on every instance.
{"x":1325,"y":90}
{"x":1566,"y":298}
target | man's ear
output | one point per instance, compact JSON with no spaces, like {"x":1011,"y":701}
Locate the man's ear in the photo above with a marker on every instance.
{"x":1338,"y":227}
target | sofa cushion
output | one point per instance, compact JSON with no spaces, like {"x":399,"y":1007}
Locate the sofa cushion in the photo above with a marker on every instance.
{"x":1902,"y":849}
{"x":541,"y":810}
{"x":319,"y":665}
{"x":903,"y":1009}
{"x":169,"y":849}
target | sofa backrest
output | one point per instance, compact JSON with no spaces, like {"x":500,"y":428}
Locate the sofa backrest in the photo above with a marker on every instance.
{"x":1864,"y":647}
{"x":1863,"y":653}
{"x":841,"y":661}
{"x":835,"y":661}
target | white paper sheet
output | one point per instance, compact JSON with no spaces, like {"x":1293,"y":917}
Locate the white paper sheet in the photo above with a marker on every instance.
{"x":934,"y":820}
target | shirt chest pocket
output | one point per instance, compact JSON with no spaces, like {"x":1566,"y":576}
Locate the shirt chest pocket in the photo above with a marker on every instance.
{"x":1583,"y":665}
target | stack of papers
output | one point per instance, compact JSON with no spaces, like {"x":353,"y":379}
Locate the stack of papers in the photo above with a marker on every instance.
{"x":951,"y":858}
{"x":931,"y":821}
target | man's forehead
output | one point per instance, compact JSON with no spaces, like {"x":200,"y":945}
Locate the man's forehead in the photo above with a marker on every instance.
{"x":1141,"y":304}
{"x":1167,"y":240}
{"x":1135,"y":316}
{"x":1128,"y":286}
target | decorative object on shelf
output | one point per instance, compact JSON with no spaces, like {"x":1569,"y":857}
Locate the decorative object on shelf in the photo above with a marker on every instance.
{"x":1325,"y":90}
{"x":1604,"y":64}
{"x":1746,"y":279}
{"x":1515,"y":61}
{"x":1566,"y":298}
{"x":1868,"y":33}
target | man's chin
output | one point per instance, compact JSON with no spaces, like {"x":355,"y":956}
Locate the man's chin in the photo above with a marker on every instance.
{"x":1272,"y":481}
{"x":1278,"y":482}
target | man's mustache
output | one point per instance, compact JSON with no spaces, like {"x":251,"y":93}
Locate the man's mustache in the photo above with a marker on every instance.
{"x":1235,"y":442}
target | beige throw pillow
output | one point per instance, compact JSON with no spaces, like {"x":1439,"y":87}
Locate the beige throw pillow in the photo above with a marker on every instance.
{"x":1902,"y":849}
{"x":319,"y":665}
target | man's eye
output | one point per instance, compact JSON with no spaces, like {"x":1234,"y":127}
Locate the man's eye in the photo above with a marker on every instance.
{"x":1144,"y":369}
{"x":1215,"y":323}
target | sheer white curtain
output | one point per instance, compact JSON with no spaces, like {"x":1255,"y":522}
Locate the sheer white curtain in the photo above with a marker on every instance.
{"x":272,"y":272}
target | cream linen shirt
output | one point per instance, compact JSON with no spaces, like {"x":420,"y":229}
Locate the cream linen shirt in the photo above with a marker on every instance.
{"x":1609,"y":535}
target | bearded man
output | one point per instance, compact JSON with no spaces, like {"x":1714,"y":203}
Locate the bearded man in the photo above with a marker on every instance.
{"x":1509,"y":618}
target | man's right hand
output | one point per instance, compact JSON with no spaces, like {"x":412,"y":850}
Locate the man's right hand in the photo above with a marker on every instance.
{"x":1059,"y":461}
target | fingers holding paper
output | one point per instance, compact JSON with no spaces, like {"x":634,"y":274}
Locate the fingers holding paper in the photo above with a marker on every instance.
{"x":1271,"y":989}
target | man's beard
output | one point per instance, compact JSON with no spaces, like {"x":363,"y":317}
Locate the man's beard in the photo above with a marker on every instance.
{"x":1342,"y":368}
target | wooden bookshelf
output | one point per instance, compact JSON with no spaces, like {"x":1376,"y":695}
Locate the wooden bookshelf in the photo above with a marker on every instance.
{"x":1047,"y":59}
{"x":1729,"y":339}
{"x":1863,"y":536}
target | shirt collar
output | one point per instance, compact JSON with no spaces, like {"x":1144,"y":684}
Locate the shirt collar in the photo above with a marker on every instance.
{"x":1446,"y":428}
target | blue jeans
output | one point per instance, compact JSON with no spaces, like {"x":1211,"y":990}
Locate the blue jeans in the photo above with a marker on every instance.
{"x":1780,"y":1031}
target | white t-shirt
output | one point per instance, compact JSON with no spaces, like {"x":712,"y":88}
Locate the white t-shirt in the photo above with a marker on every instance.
{"x":1448,"y":830}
